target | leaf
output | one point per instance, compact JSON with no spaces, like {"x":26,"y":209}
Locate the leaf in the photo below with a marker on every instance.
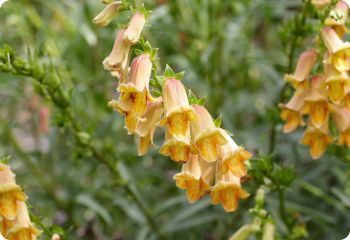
{"x":168,"y":204}
{"x":201,"y":101}
{"x":218,"y":121}
{"x":130,"y":210}
{"x":169,"y":72}
{"x":191,"y":97}
{"x":180,"y":75}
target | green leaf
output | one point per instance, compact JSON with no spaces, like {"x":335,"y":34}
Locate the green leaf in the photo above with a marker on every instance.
{"x":5,"y":160}
{"x":169,"y":72}
{"x":201,"y":101}
{"x":191,"y":97}
{"x":218,"y":121}
{"x":180,"y":75}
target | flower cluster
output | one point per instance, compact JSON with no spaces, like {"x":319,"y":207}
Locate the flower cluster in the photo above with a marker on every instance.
{"x":325,"y":96}
{"x":15,"y":223}
{"x":211,"y":161}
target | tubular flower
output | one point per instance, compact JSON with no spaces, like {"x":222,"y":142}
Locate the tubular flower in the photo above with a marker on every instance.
{"x":205,"y":135}
{"x":320,"y":4}
{"x":179,"y":113}
{"x":316,"y":103}
{"x":146,"y":127}
{"x":179,"y":150}
{"x":133,"y":31}
{"x":228,"y":191}
{"x":346,"y":99}
{"x":10,"y":193}
{"x":342,"y":121}
{"x":337,"y":18}
{"x":317,"y":138}
{"x":117,"y":61}
{"x":291,"y":112}
{"x":336,"y":83}
{"x":339,"y":50}
{"x":233,"y":157}
{"x":107,"y":15}
{"x":305,"y":64}
{"x":22,"y":228}
{"x":190,"y":179}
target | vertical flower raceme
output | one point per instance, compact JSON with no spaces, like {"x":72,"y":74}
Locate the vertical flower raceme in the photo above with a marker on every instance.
{"x":134,"y":29}
{"x":178,"y":112}
{"x":342,"y":121}
{"x":107,"y":15}
{"x":337,"y":18}
{"x":206,"y":136}
{"x":305,"y":64}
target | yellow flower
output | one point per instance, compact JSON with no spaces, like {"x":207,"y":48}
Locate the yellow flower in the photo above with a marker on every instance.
{"x":233,"y":157}
{"x":316,"y":103}
{"x":190,"y":179}
{"x":117,"y":61}
{"x":305,"y":64}
{"x":336,"y":83}
{"x":107,"y":15}
{"x":317,"y":138}
{"x":346,"y":99}
{"x":342,"y":121}
{"x":337,"y":18}
{"x":291,"y":112}
{"x":179,"y":150}
{"x":22,"y":228}
{"x":10,"y":193}
{"x":179,"y":113}
{"x":147,"y":126}
{"x":134,"y":29}
{"x":205,"y":135}
{"x":228,"y":191}
{"x":339,"y":50}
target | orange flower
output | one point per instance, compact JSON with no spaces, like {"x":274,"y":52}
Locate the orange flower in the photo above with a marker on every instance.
{"x":228,"y":191}
{"x":291,"y":112}
{"x":147,"y":126}
{"x":305,"y":64}
{"x":339,"y":50}
{"x":336,"y":83}
{"x":206,"y":136}
{"x":316,"y":103}
{"x":233,"y":157}
{"x":179,"y":113}
{"x":107,"y":15}
{"x":317,"y":138}
{"x":134,"y":30}
{"x":190,"y":179}
{"x":342,"y":121}
{"x":337,"y":18}
{"x":10,"y":193}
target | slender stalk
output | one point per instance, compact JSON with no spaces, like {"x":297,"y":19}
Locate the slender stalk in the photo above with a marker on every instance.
{"x":282,"y":208}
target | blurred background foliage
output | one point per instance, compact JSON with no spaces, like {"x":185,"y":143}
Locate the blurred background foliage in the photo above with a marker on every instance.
{"x":233,"y":52}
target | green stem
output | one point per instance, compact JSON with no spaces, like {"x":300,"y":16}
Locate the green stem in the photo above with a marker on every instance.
{"x":282,"y":208}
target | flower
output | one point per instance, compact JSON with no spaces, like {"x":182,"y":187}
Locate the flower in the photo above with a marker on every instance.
{"x":228,"y":191}
{"x":206,"y":136}
{"x":22,"y":227}
{"x":10,"y":193}
{"x":346,"y":99}
{"x":179,"y":150}
{"x":291,"y":112}
{"x":233,"y":157}
{"x":117,"y":61}
{"x":305,"y":64}
{"x":337,"y":18}
{"x":339,"y":50}
{"x":107,"y":15}
{"x":190,"y":179}
{"x":134,"y":29}
{"x":316,"y":103}
{"x":336,"y":83}
{"x":320,"y":4}
{"x":179,"y":113}
{"x":317,"y":138}
{"x":342,"y":122}
{"x":146,"y":127}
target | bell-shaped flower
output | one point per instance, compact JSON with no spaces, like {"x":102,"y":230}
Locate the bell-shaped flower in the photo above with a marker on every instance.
{"x":305,"y":64}
{"x":345,"y":102}
{"x":342,"y":121}
{"x":317,"y":138}
{"x":133,"y":32}
{"x":10,"y":193}
{"x":147,"y":126}
{"x":206,"y":136}
{"x":179,"y":149}
{"x":117,"y":61}
{"x":336,"y":83}
{"x":291,"y":112}
{"x":316,"y":103}
{"x":22,"y":228}
{"x":339,"y":50}
{"x":178,"y":112}
{"x":233,"y":157}
{"x":190,"y":179}
{"x":107,"y":14}
{"x":337,"y":18}
{"x":228,"y":191}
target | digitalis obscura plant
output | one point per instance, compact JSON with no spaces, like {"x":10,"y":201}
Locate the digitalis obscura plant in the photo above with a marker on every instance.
{"x":212,"y":163}
{"x":323,"y":96}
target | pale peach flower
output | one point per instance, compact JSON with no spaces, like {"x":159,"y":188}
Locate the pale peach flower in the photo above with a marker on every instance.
{"x":107,"y":14}
{"x":336,"y":83}
{"x":337,"y":18}
{"x":342,"y":121}
{"x":346,"y":99}
{"x":134,"y":29}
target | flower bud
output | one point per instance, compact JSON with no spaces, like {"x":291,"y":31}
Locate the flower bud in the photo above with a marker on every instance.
{"x":134,"y":29}
{"x":337,"y":18}
{"x":320,"y":4}
{"x":107,"y":15}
